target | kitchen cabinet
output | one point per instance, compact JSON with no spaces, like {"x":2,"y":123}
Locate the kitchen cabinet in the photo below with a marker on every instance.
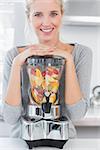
{"x":81,"y":20}
{"x":82,"y":12}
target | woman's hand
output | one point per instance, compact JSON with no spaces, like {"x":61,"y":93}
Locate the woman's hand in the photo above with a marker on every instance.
{"x":32,"y":50}
{"x":62,"y":53}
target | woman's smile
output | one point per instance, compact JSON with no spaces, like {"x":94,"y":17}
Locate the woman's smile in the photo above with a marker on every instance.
{"x":47,"y":31}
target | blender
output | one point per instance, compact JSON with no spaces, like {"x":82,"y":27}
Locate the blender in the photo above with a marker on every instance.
{"x":42,"y":124}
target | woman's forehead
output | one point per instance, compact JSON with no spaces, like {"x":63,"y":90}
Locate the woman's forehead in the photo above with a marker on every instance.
{"x":45,"y":5}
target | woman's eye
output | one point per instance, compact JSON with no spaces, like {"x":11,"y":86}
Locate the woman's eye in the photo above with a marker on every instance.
{"x":37,"y":15}
{"x":54,"y":14}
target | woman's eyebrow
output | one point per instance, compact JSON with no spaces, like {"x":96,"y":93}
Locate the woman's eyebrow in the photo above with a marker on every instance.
{"x":54,"y":11}
{"x":38,"y":12}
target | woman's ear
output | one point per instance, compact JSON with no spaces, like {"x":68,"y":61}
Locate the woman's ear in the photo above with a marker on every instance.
{"x":62,"y":13}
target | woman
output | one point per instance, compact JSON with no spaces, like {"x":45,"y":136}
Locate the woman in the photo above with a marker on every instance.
{"x":46,"y":17}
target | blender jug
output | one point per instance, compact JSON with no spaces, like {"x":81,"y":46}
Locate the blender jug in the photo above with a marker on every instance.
{"x":44,"y":75}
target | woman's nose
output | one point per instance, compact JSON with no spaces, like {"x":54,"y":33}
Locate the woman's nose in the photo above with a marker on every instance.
{"x":46,"y":21}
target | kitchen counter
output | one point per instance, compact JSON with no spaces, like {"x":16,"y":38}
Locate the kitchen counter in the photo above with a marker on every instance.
{"x":72,"y":144}
{"x":92,"y":118}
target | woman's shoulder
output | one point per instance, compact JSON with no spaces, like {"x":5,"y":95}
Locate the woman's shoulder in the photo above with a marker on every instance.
{"x":11,"y":54}
{"x":82,"y":50}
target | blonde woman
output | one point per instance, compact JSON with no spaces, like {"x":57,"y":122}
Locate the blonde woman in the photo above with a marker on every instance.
{"x":46,"y":17}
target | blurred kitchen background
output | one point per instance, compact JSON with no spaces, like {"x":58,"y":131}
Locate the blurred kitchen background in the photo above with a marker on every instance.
{"x":81,"y":24}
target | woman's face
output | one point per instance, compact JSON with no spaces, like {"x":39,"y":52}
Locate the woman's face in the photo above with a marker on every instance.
{"x":45,"y":17}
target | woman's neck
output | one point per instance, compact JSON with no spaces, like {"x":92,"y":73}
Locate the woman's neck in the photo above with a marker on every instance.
{"x":51,"y":43}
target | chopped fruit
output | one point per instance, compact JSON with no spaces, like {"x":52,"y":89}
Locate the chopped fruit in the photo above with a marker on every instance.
{"x":33,"y":83}
{"x":52,"y":98}
{"x":44,"y":73}
{"x":34,"y":94}
{"x":38,"y":80}
{"x":55,"y":71}
{"x":38,"y":73}
{"x":55,"y":76}
{"x":55,"y":86}
{"x":44,"y":84}
{"x":37,"y":97}
{"x":40,"y":91}
{"x":49,"y":79}
{"x":49,"y":87}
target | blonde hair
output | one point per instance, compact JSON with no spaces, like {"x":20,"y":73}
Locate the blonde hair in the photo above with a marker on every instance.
{"x":30,"y":2}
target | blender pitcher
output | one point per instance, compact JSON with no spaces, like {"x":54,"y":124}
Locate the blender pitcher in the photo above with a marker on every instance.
{"x":44,"y":76}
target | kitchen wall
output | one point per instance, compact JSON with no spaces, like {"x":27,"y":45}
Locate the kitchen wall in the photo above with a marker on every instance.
{"x":89,"y":36}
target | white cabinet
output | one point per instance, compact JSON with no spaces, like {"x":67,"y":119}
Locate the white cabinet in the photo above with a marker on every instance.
{"x":82,"y":20}
{"x":82,"y":12}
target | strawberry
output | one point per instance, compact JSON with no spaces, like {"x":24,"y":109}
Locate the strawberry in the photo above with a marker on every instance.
{"x":44,"y":73}
{"x":55,"y":71}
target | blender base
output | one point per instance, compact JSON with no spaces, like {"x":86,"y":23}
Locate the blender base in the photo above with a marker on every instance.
{"x":46,"y":142}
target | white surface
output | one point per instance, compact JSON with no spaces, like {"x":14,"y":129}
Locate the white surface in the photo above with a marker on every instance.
{"x":83,"y":144}
{"x":92,"y":118}
{"x":12,"y":144}
{"x":73,"y":144}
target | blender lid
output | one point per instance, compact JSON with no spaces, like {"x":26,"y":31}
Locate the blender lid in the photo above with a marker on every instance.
{"x":46,"y":59}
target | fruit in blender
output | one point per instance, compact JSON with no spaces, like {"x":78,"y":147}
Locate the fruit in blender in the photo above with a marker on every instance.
{"x":44,"y":81}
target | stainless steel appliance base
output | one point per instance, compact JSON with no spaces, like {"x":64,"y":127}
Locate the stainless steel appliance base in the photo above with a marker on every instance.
{"x":46,"y":142}
{"x":45,"y":129}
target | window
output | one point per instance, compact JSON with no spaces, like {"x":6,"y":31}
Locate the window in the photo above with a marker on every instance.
{"x":8,"y":33}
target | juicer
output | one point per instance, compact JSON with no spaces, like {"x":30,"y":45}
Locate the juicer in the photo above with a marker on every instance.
{"x":43,"y":124}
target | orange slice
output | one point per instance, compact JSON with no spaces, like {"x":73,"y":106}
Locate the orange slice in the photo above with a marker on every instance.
{"x":38,"y":73}
{"x":55,"y":86}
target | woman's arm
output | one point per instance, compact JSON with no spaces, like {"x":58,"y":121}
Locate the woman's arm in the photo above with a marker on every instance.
{"x":13,"y":94}
{"x":10,"y":113}
{"x":73,"y":92}
{"x":83,"y":69}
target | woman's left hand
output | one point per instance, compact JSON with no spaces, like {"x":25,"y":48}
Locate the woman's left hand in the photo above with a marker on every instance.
{"x":62,"y":53}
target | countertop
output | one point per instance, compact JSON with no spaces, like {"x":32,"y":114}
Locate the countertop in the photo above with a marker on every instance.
{"x":72,"y":144}
{"x":92,"y":117}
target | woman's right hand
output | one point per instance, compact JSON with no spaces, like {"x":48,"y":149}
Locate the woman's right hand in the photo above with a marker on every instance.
{"x":37,"y":49}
